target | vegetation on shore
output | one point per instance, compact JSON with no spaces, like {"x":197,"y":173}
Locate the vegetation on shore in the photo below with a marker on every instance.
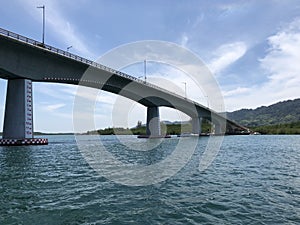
{"x":172,"y":129}
{"x":290,"y":128}
{"x":175,"y":129}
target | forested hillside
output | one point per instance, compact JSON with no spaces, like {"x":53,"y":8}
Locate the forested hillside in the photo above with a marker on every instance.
{"x":280,"y":113}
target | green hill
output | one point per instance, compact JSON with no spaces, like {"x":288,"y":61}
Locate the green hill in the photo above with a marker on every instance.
{"x":285,"y":112}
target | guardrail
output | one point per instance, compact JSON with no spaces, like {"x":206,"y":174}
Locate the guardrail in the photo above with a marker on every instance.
{"x":35,"y":43}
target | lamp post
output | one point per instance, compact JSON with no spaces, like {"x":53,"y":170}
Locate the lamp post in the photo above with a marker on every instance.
{"x":145,"y":71}
{"x":184,"y":89}
{"x":207,"y":100}
{"x":43,"y":7}
{"x":145,"y":74}
{"x":68,"y":48}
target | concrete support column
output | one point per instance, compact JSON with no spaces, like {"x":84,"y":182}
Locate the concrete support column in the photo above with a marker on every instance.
{"x":153,"y":121}
{"x":196,"y":125}
{"x":18,"y":118}
{"x":219,"y":129}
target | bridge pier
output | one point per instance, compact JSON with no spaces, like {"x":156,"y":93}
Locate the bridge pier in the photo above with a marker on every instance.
{"x":218,"y":129}
{"x":18,"y":117}
{"x":153,"y":122}
{"x":196,"y":125}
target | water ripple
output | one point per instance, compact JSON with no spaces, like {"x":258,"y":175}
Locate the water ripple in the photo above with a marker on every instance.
{"x":254,"y":180}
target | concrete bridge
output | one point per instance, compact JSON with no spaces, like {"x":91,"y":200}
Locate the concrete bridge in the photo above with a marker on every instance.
{"x":23,"y":61}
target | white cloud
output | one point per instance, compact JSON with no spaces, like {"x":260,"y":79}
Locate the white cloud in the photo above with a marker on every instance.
{"x":282,"y":60}
{"x":54,"y":90}
{"x":237,"y":91}
{"x":51,"y":108}
{"x":282,"y":69}
{"x":184,"y":40}
{"x":227,"y":54}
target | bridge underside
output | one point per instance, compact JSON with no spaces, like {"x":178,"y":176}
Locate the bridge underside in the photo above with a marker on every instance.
{"x":18,"y":121}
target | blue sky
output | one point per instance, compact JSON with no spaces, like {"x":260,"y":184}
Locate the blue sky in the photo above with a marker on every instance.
{"x":252,"y":47}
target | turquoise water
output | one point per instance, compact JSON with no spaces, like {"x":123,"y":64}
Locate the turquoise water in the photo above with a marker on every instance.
{"x":253,"y":180}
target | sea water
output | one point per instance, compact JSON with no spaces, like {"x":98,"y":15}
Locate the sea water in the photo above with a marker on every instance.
{"x":252,"y":180}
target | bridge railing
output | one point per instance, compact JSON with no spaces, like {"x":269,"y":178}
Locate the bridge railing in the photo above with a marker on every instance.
{"x":35,"y":43}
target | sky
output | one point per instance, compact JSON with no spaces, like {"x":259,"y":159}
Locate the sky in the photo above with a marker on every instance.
{"x":251,"y":47}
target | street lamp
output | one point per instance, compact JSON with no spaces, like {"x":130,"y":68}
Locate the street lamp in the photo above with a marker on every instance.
{"x":145,"y":75}
{"x":207,"y":100}
{"x":184,"y":89}
{"x":43,"y":7}
{"x":68,"y":48}
{"x":145,"y":70}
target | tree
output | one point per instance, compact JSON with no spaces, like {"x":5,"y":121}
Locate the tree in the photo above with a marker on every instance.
{"x":139,"y":124}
